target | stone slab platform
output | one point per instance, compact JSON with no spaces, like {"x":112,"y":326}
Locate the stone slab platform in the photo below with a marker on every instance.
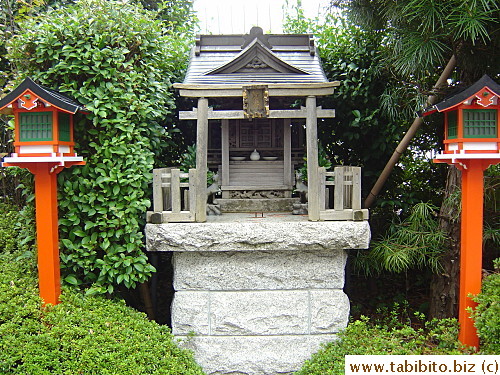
{"x":258,"y":295}
{"x":260,"y":313}
{"x":263,"y":235}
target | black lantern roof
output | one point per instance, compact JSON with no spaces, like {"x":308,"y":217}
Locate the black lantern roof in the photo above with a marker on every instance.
{"x":465,"y":94}
{"x":53,"y":97}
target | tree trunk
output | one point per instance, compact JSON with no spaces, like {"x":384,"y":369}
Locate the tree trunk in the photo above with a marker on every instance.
{"x":405,"y":142}
{"x":146,"y":298}
{"x":444,"y":286}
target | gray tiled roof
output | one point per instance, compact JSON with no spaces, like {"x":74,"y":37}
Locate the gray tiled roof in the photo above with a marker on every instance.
{"x":258,"y":58}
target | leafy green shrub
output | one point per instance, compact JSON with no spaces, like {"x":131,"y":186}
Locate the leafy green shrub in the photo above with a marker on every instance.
{"x":323,"y":161}
{"x":82,"y":335}
{"x":118,"y":60}
{"x":363,"y":338}
{"x":487,"y":314}
{"x":8,"y":234}
{"x":17,"y":232}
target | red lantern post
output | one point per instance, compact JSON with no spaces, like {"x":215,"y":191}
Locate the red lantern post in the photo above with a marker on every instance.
{"x":472,"y":144}
{"x":44,"y":145}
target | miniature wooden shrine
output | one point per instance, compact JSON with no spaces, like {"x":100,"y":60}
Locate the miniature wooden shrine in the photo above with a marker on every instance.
{"x":44,"y":144}
{"x":260,"y":287}
{"x":472,"y":144}
{"x":256,"y":119}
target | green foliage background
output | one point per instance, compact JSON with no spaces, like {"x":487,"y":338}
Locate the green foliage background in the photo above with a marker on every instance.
{"x":362,"y":337}
{"x":119,"y":61}
{"x":373,"y":110}
{"x":369,"y":119}
{"x":415,"y":243}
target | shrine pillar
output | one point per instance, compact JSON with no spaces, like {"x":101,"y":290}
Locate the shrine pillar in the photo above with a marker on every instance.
{"x":201,"y":160}
{"x":313,"y":190}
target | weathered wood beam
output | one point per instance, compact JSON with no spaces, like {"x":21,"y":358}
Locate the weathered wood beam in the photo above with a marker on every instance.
{"x":169,"y":217}
{"x":192,"y":194}
{"x":201,"y":160}
{"x":274,"y":113}
{"x":347,"y":214}
{"x":277,"y":89}
{"x":312,"y":159}
{"x":157,"y":190}
{"x":322,"y":188}
{"x":224,"y":177}
{"x":338,"y":199}
{"x":287,"y":152}
{"x":356,"y":188}
{"x":405,"y":142}
{"x":176,"y":191}
{"x":255,"y":187}
{"x":212,"y":115}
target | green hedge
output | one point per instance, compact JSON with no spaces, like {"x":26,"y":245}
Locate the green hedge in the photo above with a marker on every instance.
{"x":487,"y":313}
{"x":82,"y":335}
{"x":8,"y":234}
{"x":363,"y":338}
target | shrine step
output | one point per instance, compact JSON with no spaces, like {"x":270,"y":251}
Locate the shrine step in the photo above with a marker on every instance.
{"x":257,"y":205}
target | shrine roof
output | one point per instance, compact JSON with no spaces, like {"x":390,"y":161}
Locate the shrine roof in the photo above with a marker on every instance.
{"x":53,"y":97}
{"x":254,"y":58}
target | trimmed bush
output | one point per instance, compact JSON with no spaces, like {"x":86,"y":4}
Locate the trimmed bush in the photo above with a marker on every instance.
{"x":362,"y":338}
{"x":8,"y":235}
{"x":82,"y":335}
{"x":487,"y":313}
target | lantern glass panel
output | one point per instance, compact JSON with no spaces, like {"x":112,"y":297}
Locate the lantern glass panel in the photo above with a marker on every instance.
{"x":452,"y":125}
{"x":36,"y":126}
{"x":64,"y":130}
{"x":480,"y":123}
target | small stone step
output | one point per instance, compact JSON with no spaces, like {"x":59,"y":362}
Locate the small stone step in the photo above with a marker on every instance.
{"x":257,"y":205}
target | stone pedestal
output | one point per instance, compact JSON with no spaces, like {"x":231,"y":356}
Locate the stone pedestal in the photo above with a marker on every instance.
{"x":260,"y":297}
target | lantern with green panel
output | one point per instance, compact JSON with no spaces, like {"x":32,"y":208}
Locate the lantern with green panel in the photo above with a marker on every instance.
{"x":43,"y":121}
{"x":43,"y":127}
{"x":471,"y":144}
{"x":471,"y":121}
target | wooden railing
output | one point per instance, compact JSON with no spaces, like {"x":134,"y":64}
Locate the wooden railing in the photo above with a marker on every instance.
{"x":340,"y":194}
{"x":174,"y":195}
{"x":174,"y":198}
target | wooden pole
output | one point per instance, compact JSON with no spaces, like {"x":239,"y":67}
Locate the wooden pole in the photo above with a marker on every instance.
{"x":287,"y":152}
{"x":471,"y":248}
{"x":224,"y":174}
{"x":312,"y":159}
{"x":403,"y":145}
{"x":201,"y":160}
{"x":47,"y":234}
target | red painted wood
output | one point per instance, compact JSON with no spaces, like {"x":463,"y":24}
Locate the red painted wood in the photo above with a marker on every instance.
{"x":47,"y":233}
